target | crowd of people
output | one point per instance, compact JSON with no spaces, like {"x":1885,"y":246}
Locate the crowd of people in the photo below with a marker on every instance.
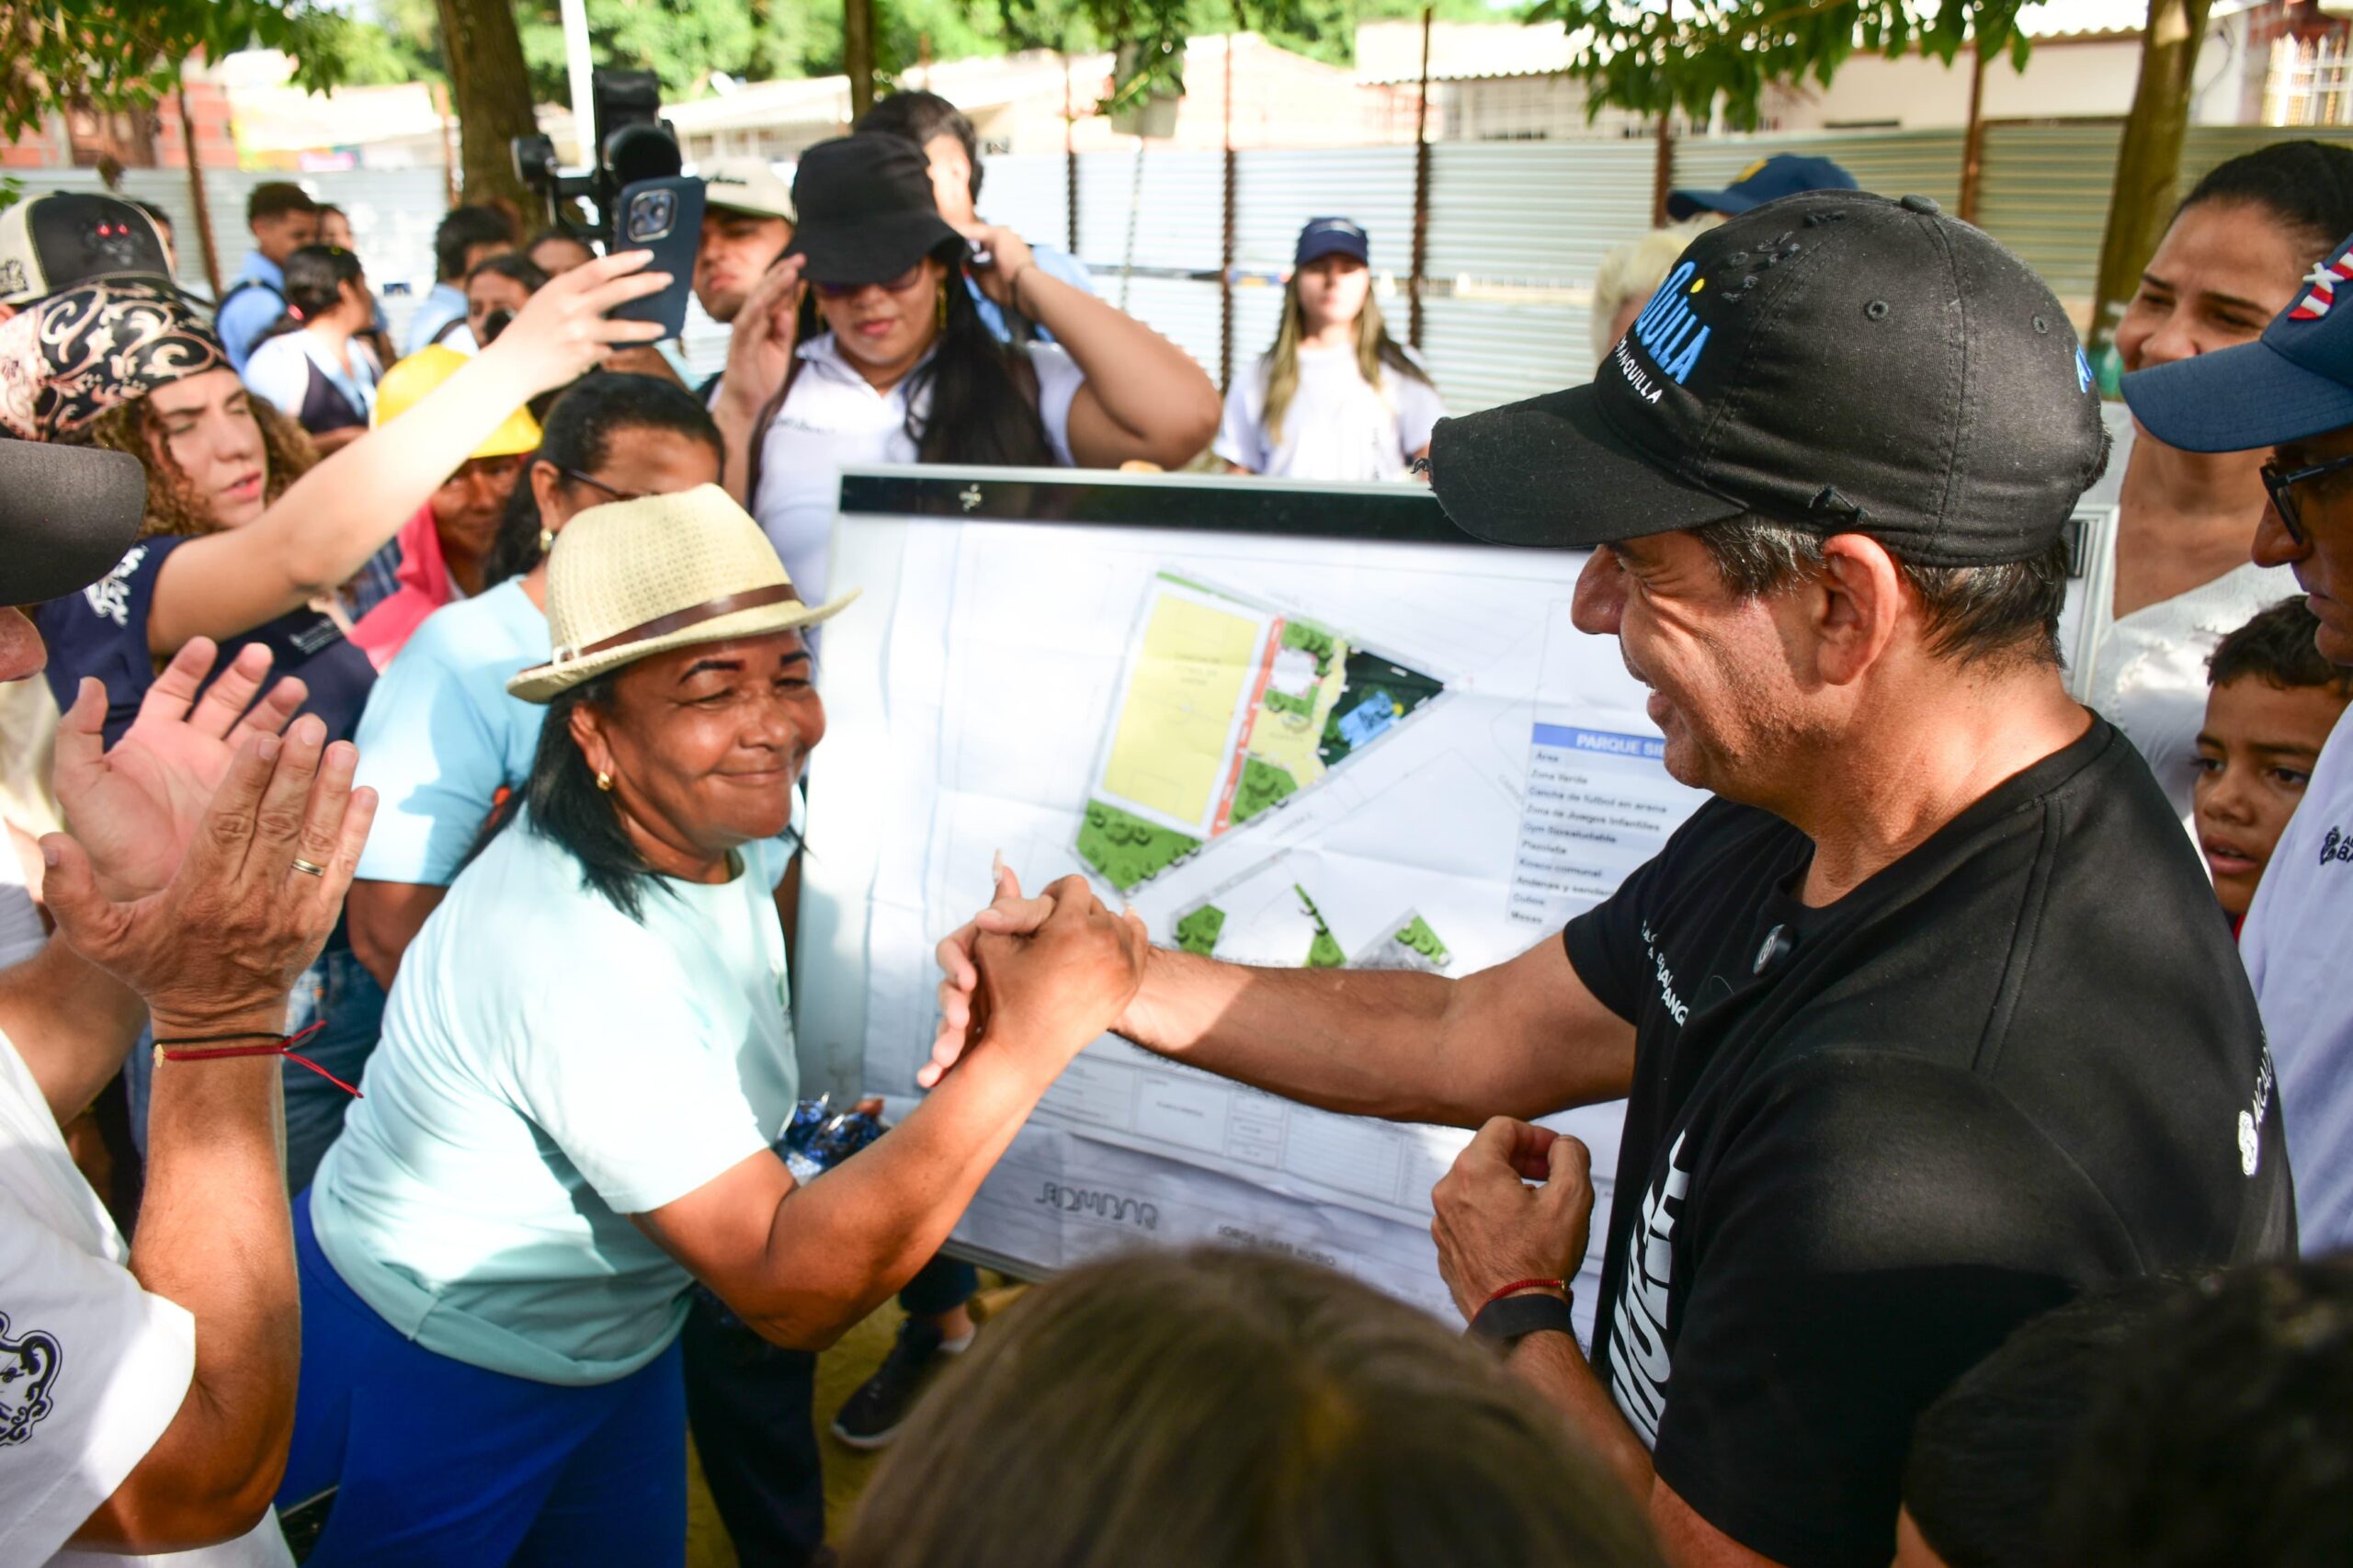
{"x":413,"y":968}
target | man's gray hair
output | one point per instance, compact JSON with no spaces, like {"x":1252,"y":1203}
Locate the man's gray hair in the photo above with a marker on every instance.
{"x":2003,"y":614}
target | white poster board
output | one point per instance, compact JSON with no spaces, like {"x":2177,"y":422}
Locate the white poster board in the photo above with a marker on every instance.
{"x":1283,"y":743}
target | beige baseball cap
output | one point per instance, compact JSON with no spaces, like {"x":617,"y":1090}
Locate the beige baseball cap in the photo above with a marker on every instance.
{"x":636,"y":578}
{"x":745,"y":185}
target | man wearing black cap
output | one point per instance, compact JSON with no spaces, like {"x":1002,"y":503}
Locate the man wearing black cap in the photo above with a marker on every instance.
{"x":1927,"y":1021}
{"x":146,"y":1395}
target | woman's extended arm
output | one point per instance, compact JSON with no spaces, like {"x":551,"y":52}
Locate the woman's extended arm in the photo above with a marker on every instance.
{"x":1144,"y":399}
{"x":803,"y":1264}
{"x":330,"y":520}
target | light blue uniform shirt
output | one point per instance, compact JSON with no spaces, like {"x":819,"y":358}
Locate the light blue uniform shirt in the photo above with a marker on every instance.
{"x":440,"y":736}
{"x":244,"y":318}
{"x":442,"y":304}
{"x":550,"y":1066}
{"x":1055,"y":264}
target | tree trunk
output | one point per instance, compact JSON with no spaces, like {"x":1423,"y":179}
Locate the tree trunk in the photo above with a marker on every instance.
{"x":493,"y":94}
{"x":857,"y":54}
{"x":2148,"y":160}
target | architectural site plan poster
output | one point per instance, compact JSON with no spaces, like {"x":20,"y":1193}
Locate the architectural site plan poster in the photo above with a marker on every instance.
{"x":1281,"y":752}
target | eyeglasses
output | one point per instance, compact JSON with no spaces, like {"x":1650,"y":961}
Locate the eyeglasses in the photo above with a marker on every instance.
{"x":2281,"y":484}
{"x":899,"y":285}
{"x":593,"y":483}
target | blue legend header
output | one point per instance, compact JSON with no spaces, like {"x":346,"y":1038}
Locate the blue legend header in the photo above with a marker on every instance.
{"x":1647,"y":748}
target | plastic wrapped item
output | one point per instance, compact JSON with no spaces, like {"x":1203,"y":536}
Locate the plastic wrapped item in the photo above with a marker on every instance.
{"x":818,"y":1138}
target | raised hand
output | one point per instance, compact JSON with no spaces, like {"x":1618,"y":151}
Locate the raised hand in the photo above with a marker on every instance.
{"x":1493,"y":1228}
{"x":1043,"y":995}
{"x":238,"y":921}
{"x":1009,"y":914}
{"x":562,"y":331}
{"x":135,"y":808}
{"x":760,"y":344}
{"x":1008,"y":258}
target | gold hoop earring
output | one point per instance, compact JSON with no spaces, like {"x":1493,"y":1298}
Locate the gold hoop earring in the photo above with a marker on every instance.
{"x":547,"y":540}
{"x":942,"y":298}
{"x":604,"y":782}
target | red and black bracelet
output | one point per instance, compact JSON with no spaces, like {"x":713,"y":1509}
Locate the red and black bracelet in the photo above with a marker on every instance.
{"x":208,"y":1050}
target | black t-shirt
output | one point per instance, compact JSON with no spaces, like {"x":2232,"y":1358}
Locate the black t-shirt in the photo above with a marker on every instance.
{"x":102,"y":632}
{"x":1865,"y":1141}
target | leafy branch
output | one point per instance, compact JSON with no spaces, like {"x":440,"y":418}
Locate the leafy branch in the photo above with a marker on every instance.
{"x":118,"y":54}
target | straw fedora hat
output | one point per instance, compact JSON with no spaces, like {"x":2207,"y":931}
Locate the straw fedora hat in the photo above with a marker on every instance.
{"x":640,"y":577}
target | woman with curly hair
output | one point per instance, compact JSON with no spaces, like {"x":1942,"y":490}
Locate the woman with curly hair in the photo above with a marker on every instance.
{"x":248,"y":533}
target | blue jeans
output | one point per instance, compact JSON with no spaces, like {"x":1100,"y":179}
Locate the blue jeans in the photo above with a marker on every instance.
{"x":337,"y":988}
{"x":436,"y":1463}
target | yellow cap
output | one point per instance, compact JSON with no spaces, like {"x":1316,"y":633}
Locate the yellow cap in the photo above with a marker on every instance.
{"x":407,"y":383}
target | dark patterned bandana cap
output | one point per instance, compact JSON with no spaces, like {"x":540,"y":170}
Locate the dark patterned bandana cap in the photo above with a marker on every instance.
{"x":69,"y":359}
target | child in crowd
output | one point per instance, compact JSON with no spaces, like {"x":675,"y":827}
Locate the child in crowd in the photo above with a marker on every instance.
{"x":1335,"y":398}
{"x":2271,"y":704}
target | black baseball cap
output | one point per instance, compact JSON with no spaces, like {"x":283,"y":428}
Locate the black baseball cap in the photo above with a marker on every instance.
{"x":1331,"y":236}
{"x":867,"y":209}
{"x":53,"y":241}
{"x":1834,"y":358}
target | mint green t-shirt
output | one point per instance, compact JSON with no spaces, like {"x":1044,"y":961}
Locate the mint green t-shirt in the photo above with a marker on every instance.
{"x":549,"y":1067}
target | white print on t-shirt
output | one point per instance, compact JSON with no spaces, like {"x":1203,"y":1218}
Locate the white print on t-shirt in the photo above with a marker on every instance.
{"x":29,"y":1365}
{"x":110,"y":595}
{"x":1639,"y":1358}
{"x":1676,"y":1008}
{"x":2251,"y":1119}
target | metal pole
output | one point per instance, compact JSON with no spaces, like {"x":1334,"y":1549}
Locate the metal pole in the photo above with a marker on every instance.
{"x":1069,"y":165}
{"x":577,"y":65}
{"x":1663,"y":167}
{"x":1225,"y":253}
{"x":202,"y":208}
{"x":1972,"y":141}
{"x":1421,"y":191}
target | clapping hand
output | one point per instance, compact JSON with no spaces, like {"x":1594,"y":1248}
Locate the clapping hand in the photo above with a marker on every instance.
{"x":250,"y":903}
{"x":134,"y":809}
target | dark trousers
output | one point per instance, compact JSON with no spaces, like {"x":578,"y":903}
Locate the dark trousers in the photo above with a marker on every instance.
{"x":749,"y":1407}
{"x":941,"y":1286}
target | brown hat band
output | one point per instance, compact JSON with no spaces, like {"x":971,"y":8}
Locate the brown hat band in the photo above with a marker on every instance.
{"x":678,"y":620}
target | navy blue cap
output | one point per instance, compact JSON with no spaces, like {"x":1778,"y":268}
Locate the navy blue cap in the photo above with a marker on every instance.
{"x":1768,"y":179}
{"x":2294,"y":381}
{"x":1332,"y":236}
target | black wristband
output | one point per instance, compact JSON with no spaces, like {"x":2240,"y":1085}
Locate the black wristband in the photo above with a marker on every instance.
{"x":1515,"y":1317}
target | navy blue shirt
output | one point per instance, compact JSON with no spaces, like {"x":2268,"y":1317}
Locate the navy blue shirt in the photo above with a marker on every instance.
{"x":102,"y":632}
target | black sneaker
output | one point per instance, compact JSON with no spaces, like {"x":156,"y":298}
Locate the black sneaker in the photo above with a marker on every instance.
{"x":870,"y":1418}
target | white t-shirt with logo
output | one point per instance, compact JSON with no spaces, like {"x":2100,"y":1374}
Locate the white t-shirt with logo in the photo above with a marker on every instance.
{"x":832,"y":418}
{"x":1338,"y":428}
{"x":93,"y":1366}
{"x":2297,"y":935}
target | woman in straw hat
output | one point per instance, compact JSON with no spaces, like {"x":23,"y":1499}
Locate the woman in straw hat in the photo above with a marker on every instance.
{"x":587,"y":1053}
{"x":247,"y":537}
{"x":905,"y":369}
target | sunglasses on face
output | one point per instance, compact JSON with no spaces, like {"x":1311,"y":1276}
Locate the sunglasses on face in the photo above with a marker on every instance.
{"x":2282,"y":482}
{"x":899,"y":285}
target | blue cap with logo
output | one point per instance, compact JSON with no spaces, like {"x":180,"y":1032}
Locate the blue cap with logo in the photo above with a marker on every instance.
{"x":1332,"y":236}
{"x":2293,"y":382}
{"x":1768,"y":179}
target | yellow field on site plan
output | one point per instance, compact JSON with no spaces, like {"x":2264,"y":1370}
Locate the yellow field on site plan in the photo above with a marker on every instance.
{"x":1171,"y":749}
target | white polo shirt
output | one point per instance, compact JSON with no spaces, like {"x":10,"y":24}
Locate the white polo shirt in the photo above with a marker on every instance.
{"x":834,"y":418}
{"x":92,"y":1366}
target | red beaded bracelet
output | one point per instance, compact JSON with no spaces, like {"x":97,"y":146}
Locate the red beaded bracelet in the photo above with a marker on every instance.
{"x":280,"y":1045}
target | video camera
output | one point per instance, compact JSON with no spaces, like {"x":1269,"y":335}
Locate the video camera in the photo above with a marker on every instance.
{"x":633,"y":144}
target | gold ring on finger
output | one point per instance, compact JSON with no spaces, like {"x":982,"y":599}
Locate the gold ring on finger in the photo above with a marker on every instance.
{"x":307,"y":868}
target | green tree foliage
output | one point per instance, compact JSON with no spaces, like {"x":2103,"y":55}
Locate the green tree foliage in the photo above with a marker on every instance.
{"x":1640,"y":60}
{"x":127,"y":53}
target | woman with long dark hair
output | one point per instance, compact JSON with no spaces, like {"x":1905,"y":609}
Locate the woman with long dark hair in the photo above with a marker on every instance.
{"x":890,"y":362}
{"x":1335,"y":398}
{"x":314,"y":364}
{"x":586,"y":1058}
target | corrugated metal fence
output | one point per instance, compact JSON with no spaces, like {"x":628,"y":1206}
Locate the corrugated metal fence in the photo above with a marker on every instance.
{"x":1517,"y":230}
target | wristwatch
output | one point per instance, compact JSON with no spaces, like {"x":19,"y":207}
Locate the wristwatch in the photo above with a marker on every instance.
{"x":1506,"y":1322}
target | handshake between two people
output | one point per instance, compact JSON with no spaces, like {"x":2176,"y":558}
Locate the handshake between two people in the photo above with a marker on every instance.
{"x":1036,"y":977}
